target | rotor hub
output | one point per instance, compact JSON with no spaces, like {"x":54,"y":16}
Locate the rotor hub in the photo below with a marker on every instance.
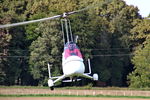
{"x":64,"y":15}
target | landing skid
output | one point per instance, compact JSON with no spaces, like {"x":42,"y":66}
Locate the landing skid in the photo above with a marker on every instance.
{"x":52,"y":88}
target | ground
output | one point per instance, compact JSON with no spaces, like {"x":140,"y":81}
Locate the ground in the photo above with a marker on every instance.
{"x":47,"y":92}
{"x":65,"y":98}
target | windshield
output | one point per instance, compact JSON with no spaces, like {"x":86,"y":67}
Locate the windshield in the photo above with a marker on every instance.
{"x":71,"y":49}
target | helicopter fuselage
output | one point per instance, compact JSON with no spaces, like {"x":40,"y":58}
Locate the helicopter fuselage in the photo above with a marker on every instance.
{"x":72,"y":60}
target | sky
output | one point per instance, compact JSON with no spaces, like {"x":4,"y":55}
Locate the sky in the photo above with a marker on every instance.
{"x":143,"y":5}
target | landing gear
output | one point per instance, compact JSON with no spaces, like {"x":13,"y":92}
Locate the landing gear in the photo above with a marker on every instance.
{"x":51,"y":84}
{"x":52,"y":88}
{"x":95,"y":77}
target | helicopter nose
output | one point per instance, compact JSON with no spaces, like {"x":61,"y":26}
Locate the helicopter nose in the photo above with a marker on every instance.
{"x":73,"y":67}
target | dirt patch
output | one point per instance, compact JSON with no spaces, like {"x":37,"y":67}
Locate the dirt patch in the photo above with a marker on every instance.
{"x":26,"y":91}
{"x":64,"y":98}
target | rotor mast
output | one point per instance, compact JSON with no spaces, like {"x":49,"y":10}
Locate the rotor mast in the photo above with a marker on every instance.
{"x":66,"y":29}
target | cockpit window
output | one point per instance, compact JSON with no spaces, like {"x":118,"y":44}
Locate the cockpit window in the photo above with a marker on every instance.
{"x":71,"y":49}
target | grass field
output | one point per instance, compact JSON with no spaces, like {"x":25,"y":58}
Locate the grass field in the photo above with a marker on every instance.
{"x":93,"y":92}
{"x":59,"y":95}
{"x":79,"y":88}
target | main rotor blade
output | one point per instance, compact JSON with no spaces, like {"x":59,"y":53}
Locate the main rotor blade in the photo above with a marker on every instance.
{"x":53,"y":17}
{"x":38,"y":20}
{"x":28,"y":22}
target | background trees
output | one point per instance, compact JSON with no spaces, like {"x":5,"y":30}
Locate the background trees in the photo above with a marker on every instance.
{"x":46,"y":49}
{"x":140,"y":77}
{"x":108,"y":34}
{"x":141,"y":38}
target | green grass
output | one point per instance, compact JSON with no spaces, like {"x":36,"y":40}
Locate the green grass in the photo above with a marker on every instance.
{"x":28,"y":87}
{"x":105,"y":88}
{"x":75,"y":88}
{"x":58,"y":95}
{"x":79,"y":88}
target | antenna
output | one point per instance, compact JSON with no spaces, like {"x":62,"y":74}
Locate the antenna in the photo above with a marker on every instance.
{"x":76,"y":38}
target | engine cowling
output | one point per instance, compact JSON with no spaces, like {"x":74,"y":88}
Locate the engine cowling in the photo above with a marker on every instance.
{"x":50,"y":83}
{"x":95,"y":77}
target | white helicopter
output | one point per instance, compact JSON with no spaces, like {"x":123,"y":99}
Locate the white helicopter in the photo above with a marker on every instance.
{"x":72,"y":60}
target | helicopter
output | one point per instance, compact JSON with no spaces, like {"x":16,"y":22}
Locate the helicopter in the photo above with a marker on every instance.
{"x":72,"y":59}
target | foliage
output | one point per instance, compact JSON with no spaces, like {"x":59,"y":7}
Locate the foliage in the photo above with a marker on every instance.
{"x":140,"y":77}
{"x":104,"y":34}
{"x":108,"y":32}
{"x":140,"y":31}
{"x":12,"y":39}
{"x":46,"y":49}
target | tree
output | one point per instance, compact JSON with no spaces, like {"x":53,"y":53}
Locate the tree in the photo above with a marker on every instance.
{"x":139,"y":78}
{"x":120,"y":18}
{"x":12,"y":39}
{"x":140,"y":31}
{"x":4,"y":42}
{"x":107,"y":28}
{"x":44,"y":50}
{"x":104,"y":34}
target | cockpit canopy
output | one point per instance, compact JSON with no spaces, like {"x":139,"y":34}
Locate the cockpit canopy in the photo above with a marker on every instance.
{"x":71,"y":49}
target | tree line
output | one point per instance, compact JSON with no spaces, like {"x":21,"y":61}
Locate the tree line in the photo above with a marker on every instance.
{"x":112,"y":34}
